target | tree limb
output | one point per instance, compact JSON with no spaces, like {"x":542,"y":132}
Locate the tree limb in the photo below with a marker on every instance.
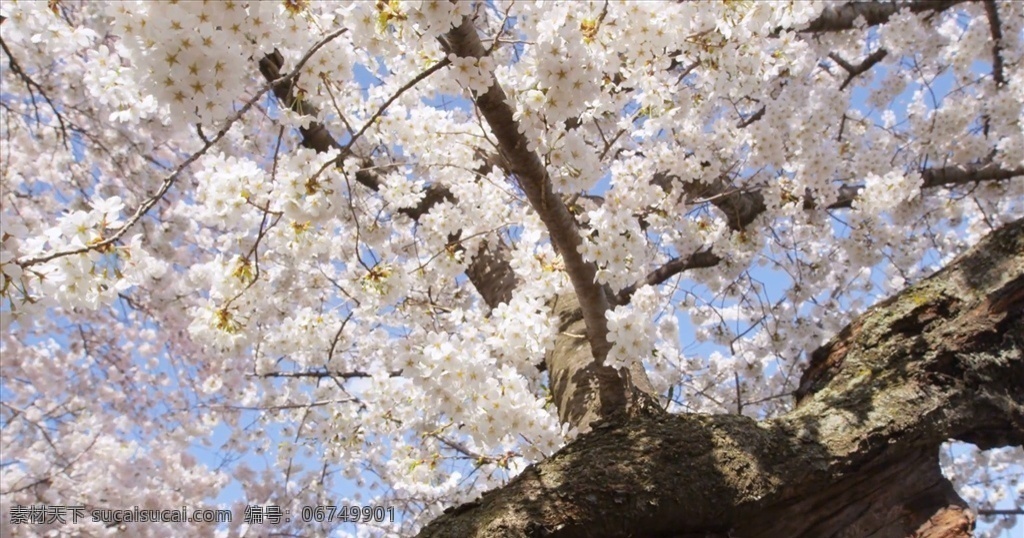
{"x":853,"y":70}
{"x":844,"y":17}
{"x":1013,"y":512}
{"x":697,"y":260}
{"x":947,"y":176}
{"x":995,"y":26}
{"x":584,"y":388}
{"x":532,"y":175}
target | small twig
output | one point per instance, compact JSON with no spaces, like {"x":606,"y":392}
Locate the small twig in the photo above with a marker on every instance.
{"x":32,"y":83}
{"x":202,"y":135}
{"x":337,"y":109}
{"x":346,"y":149}
{"x":337,"y":337}
{"x":754,"y":117}
{"x":380,"y":111}
{"x":687,"y":70}
{"x":501,"y":28}
{"x":852,"y":71}
{"x":462,"y":449}
{"x":169,"y":181}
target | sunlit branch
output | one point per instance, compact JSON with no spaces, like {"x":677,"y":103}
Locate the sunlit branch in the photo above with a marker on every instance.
{"x":532,"y":175}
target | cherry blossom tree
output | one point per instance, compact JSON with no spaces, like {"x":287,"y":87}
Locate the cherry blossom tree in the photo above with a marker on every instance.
{"x":611,"y":262}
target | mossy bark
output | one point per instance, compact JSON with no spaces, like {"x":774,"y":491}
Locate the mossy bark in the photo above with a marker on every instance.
{"x":858,"y":456}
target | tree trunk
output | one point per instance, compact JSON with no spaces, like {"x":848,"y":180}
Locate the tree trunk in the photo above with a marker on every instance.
{"x":858,"y":456}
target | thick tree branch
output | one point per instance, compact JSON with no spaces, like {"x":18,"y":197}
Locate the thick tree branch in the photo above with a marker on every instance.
{"x":532,"y":175}
{"x":948,"y":176}
{"x":844,"y":17}
{"x":492,"y":274}
{"x":741,"y":207}
{"x":584,"y":389}
{"x":959,"y":333}
{"x":858,"y":457}
{"x":995,"y":26}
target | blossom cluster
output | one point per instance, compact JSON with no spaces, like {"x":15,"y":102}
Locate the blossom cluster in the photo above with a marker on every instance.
{"x":497,"y":408}
{"x":630,"y":330}
{"x":473,"y":73}
{"x":617,"y":242}
{"x":194,"y":57}
{"x":186,"y":53}
{"x":887,"y":192}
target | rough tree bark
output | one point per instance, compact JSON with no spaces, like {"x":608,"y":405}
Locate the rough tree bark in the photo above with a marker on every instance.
{"x":857,"y":457}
